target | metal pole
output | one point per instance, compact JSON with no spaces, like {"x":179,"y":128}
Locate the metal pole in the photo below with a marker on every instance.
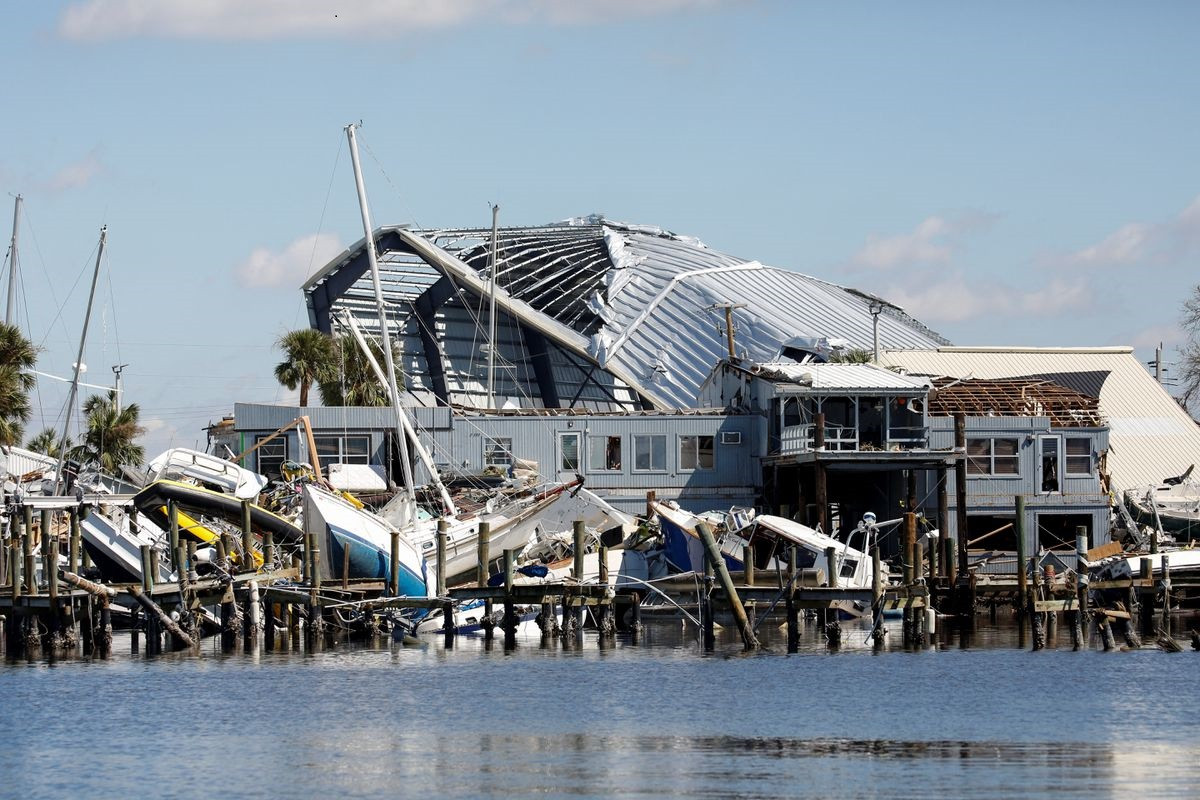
{"x":491,"y":338}
{"x":117,"y":388}
{"x":385,"y":338}
{"x":62,"y":457}
{"x":12,"y":263}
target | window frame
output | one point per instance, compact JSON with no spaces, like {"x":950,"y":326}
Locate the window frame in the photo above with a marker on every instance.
{"x":263,"y":449}
{"x":490,"y":444}
{"x":652,"y":438}
{"x":599,"y":451}
{"x":1067,"y":456}
{"x":697,"y":466}
{"x":341,"y":456}
{"x":561,"y":454}
{"x":990,"y":459}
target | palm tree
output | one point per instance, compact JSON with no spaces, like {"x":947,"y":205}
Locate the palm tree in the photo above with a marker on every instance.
{"x":46,"y":442}
{"x":852,"y":356}
{"x":351,"y":381}
{"x":308,"y":357}
{"x":17,"y":357}
{"x":109,"y":438}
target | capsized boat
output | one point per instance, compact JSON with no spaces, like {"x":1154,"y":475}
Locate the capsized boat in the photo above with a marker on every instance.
{"x":113,"y":537}
{"x":769,"y":538}
{"x":360,"y":539}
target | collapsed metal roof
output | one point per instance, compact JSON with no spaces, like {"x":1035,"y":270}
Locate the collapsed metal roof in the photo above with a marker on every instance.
{"x":594,"y":313}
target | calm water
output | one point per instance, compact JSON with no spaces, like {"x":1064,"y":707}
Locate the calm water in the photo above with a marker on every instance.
{"x":655,"y":719}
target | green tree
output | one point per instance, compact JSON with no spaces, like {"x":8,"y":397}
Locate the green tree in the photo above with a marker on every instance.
{"x":351,"y":381}
{"x":46,"y":442}
{"x":109,"y":439}
{"x":855,"y":356}
{"x":308,"y":358}
{"x":17,"y":357}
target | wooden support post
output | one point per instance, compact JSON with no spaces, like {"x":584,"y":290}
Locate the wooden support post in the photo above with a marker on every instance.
{"x":822,"y":492}
{"x":443,"y":540}
{"x":1039,"y":631}
{"x":943,"y":520}
{"x":316,"y":623}
{"x":76,"y":541}
{"x":793,"y":616}
{"x":159,"y":618}
{"x":482,"y":570}
{"x":1165,"y":625}
{"x":713,"y":551}
{"x":27,"y":549}
{"x":1146,"y":602}
{"x":1022,"y":559}
{"x":960,"y":490}
{"x":908,"y":551}
{"x":509,"y":622}
{"x":748,"y":565}
{"x":579,"y":531}
{"x":393,"y":564}
{"x":49,"y":560}
{"x":269,"y":552}
{"x":347,"y":548}
{"x":16,"y":564}
{"x":910,"y":499}
{"x":1051,"y":617}
{"x":877,"y":632}
{"x":247,"y":560}
{"x":1081,"y":598}
{"x":153,"y":623}
{"x":483,"y":542}
{"x":173,"y":530}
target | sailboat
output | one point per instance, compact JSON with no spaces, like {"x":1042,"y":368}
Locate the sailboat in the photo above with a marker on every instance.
{"x":514,"y":522}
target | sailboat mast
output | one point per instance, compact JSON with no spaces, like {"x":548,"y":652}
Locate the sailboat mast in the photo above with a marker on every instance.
{"x":385,"y":338}
{"x":491,"y":338}
{"x":73,"y":393}
{"x":422,"y":453}
{"x":12,"y":263}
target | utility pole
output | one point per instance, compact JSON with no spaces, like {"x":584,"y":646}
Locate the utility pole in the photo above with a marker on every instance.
{"x":117,"y":390}
{"x":12,"y":263}
{"x":876,"y":308}
{"x":1158,"y":363}
{"x":728,"y":309}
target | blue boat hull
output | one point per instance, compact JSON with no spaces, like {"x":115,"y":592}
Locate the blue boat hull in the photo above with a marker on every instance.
{"x":368,"y":561}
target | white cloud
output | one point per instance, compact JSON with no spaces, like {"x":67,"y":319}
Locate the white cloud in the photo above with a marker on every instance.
{"x":76,"y":175}
{"x":289,"y":267}
{"x":1137,"y":242}
{"x":282,"y":19}
{"x":1167,"y":335}
{"x":949,"y":297}
{"x":935,"y":240}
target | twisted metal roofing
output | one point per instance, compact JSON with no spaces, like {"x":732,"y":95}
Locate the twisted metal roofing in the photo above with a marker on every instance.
{"x":638,"y":301}
{"x":1150,"y":436}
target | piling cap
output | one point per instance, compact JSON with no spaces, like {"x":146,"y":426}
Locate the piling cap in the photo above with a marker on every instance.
{"x":869,"y":518}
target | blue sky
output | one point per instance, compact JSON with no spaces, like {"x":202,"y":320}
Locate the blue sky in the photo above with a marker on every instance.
{"x":1017,"y":173}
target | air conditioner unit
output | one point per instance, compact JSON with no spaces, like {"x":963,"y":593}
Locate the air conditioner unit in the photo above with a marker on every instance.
{"x":731,"y":437}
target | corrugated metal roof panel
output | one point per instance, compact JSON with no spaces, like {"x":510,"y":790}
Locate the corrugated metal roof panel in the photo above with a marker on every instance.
{"x":1151,"y":436}
{"x":848,"y":377}
{"x":641,"y":298}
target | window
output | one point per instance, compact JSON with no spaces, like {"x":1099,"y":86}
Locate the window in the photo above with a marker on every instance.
{"x":1079,"y":455}
{"x":568,"y":452}
{"x":650,"y":453}
{"x":992,"y":457}
{"x":497,"y":452}
{"x":271,"y":456}
{"x":1048,"y":453}
{"x":343,"y":449}
{"x":695,"y":452}
{"x":604,"y":453}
